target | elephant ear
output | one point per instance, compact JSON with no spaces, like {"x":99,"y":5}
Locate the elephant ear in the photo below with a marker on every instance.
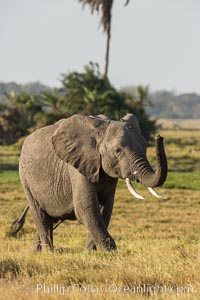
{"x":75,"y":142}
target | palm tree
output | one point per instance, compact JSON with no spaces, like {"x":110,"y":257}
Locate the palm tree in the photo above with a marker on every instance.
{"x":106,"y":15}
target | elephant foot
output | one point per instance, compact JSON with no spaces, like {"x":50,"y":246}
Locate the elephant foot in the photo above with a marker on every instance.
{"x":38,"y":246}
{"x":41,"y":248}
{"x":90,"y":245}
{"x":108,"y":244}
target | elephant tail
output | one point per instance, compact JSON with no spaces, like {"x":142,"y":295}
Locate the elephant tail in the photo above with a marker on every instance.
{"x":17,"y":224}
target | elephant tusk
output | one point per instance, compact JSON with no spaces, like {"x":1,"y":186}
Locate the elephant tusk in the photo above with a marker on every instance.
{"x":154,"y":193}
{"x":132,"y":190}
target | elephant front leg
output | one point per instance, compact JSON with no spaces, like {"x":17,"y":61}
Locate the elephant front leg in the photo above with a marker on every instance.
{"x":88,"y":213}
{"x":106,"y":212}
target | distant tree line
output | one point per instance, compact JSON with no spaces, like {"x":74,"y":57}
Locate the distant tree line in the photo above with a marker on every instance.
{"x":28,"y":88}
{"x":174,"y":106}
{"x":86,"y":93}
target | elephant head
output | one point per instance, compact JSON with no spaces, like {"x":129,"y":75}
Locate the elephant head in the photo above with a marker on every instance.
{"x":118,"y":147}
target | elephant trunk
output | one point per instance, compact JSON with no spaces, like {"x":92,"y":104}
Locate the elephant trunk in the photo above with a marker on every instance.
{"x":146,"y":174}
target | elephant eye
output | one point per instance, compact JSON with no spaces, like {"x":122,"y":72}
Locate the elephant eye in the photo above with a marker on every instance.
{"x":118,"y":151}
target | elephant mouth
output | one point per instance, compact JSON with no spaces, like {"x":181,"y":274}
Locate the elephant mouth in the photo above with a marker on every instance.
{"x":137,"y":195}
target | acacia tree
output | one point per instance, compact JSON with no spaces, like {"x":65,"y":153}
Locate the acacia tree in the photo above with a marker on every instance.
{"x":105,"y":6}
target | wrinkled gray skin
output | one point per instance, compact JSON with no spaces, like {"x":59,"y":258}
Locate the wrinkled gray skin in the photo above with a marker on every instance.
{"x":70,"y":170}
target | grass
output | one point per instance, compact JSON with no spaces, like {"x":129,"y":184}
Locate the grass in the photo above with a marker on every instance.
{"x":158,"y":240}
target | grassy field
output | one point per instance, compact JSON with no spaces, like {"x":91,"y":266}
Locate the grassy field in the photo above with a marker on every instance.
{"x":158,"y":240}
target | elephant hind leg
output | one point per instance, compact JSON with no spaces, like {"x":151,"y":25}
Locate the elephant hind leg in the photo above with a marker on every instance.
{"x":43,"y":222}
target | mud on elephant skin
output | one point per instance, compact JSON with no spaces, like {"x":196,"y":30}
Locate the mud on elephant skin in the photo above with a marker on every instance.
{"x":69,"y":171}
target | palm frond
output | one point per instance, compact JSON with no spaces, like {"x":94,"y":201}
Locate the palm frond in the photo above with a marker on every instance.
{"x":127,"y":2}
{"x":105,"y":6}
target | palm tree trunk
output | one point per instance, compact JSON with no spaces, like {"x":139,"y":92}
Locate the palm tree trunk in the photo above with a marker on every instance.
{"x":107,"y":50}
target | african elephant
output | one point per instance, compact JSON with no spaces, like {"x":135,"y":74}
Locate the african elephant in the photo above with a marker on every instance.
{"x":69,"y":171}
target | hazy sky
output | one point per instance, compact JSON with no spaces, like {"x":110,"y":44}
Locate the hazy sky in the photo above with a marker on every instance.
{"x":154,"y":42}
